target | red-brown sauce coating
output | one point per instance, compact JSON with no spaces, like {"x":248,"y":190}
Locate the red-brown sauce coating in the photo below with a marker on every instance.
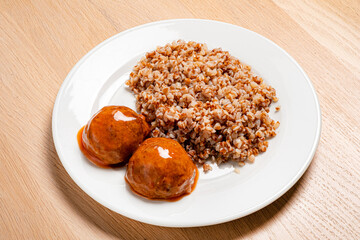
{"x":112,"y":135}
{"x":161,"y":169}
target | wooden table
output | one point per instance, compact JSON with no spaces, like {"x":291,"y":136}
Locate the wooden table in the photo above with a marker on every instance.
{"x":41,"y":40}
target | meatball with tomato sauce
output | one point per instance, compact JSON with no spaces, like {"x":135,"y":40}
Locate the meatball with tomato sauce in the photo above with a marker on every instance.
{"x":161,"y":169}
{"x":112,"y":135}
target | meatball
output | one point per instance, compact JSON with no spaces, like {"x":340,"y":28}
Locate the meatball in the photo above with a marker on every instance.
{"x":112,"y":135}
{"x":161,"y":169}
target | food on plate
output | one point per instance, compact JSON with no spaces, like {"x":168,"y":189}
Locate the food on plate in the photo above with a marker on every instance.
{"x":199,"y":105}
{"x":161,"y":169}
{"x":112,"y":135}
{"x":207,"y":100}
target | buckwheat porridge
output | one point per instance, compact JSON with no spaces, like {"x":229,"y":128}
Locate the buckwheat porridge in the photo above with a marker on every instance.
{"x":207,"y":100}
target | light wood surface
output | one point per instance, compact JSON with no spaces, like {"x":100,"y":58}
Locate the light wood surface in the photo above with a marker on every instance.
{"x":41,"y":40}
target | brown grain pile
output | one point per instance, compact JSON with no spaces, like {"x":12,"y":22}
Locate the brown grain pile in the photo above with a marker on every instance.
{"x":207,"y":100}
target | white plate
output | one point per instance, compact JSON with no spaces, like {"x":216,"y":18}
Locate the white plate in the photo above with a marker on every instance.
{"x":222,"y":195}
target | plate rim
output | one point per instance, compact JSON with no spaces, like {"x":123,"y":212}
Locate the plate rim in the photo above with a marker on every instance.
{"x":265,"y":203}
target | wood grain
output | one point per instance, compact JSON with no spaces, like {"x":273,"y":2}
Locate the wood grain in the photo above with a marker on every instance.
{"x":40,"y":41}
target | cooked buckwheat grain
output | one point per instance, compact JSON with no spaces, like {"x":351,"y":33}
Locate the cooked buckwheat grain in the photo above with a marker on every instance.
{"x":207,"y":100}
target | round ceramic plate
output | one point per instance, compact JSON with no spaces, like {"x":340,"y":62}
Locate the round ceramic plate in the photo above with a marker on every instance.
{"x":222,"y":194}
